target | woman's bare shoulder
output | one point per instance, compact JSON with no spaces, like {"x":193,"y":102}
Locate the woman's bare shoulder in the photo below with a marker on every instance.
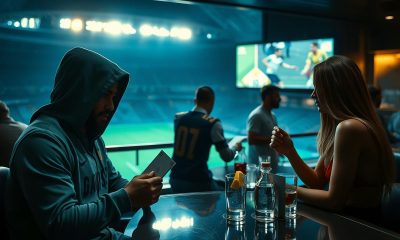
{"x":352,"y":128}
{"x":352,"y":125}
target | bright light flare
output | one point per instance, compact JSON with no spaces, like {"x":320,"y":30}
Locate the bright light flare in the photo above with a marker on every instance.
{"x":76,"y":25}
{"x":146,"y":30}
{"x":65,"y":23}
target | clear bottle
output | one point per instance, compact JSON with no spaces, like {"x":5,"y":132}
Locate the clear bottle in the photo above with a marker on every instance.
{"x":264,"y":196}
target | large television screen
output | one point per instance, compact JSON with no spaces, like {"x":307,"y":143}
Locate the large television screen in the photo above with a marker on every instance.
{"x":287,"y":64}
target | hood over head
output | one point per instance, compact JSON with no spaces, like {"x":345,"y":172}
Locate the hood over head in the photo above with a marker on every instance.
{"x":82,"y":78}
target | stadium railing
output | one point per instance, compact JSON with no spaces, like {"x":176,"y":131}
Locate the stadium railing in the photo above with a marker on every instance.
{"x":148,"y":146}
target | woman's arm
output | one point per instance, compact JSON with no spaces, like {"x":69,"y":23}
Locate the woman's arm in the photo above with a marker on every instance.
{"x":282,"y":143}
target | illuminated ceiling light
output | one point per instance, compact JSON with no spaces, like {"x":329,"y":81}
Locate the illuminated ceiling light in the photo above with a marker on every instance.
{"x":181,"y":33}
{"x":389,"y":17}
{"x":113,"y":28}
{"x":160,"y":32}
{"x":33,"y":23}
{"x":146,"y":30}
{"x":128,"y":29}
{"x":17,"y":24}
{"x":94,"y":26}
{"x":185,"y":34}
{"x":24,"y":22}
{"x":76,"y":25}
{"x":209,"y":35}
{"x":65,"y":23}
{"x":9,"y":23}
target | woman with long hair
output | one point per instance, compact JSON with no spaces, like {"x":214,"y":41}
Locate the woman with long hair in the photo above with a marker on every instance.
{"x":356,"y":159}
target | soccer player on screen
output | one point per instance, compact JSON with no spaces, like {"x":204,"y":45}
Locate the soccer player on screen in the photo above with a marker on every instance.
{"x":314,"y":56}
{"x":273,"y":62}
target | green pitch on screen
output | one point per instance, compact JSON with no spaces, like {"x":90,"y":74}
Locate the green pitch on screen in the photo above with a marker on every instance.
{"x":244,"y":62}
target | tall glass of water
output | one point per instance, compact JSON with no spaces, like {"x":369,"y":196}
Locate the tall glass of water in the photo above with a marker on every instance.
{"x":235,"y":193}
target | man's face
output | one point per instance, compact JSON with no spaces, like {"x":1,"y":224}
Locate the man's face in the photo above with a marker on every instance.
{"x":103,"y":108}
{"x":275,"y":99}
{"x":314,"y":48}
{"x":278,"y":52}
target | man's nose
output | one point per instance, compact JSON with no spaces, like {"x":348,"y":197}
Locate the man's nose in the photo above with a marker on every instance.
{"x":110,"y":105}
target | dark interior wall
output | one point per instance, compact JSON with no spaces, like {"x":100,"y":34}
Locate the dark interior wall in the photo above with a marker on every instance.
{"x":384,"y":36}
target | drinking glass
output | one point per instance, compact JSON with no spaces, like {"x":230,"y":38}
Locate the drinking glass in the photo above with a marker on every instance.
{"x":251,"y":175}
{"x":235,"y":199}
{"x":265,"y":160}
{"x":290,"y":196}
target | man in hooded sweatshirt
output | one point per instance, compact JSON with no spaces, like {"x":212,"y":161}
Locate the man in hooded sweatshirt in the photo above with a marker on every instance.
{"x":62,"y":185}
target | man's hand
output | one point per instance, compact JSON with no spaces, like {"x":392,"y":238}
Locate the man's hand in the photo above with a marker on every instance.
{"x":144,"y":190}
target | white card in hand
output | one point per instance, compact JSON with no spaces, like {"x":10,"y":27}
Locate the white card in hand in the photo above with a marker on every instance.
{"x":161,"y":164}
{"x":236,"y":139}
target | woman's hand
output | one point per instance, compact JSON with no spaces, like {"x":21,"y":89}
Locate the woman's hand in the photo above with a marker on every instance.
{"x":281,"y":142}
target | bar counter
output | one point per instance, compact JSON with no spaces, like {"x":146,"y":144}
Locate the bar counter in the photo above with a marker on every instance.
{"x":200,"y":216}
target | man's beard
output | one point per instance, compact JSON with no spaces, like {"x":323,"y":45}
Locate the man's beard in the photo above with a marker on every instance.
{"x":93,"y":127}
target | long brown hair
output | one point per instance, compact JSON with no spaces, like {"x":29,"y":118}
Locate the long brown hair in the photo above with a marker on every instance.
{"x":343,"y":93}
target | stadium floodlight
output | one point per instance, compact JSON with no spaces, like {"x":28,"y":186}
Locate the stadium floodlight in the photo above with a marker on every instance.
{"x":160,"y":31}
{"x":34,"y":22}
{"x":146,"y":30}
{"x":209,"y":36}
{"x":65,"y":23}
{"x":113,"y":27}
{"x":76,"y":25}
{"x":17,"y":24}
{"x":94,"y":26}
{"x":182,"y":33}
{"x":24,"y":22}
{"x":128,"y":29}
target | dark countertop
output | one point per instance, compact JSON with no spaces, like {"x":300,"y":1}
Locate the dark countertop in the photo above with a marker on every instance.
{"x":200,"y":216}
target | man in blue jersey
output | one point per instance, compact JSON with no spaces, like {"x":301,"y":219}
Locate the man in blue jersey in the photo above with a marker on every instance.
{"x":195,"y":132}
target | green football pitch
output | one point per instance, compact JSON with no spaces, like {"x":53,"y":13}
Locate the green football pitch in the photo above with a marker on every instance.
{"x":124,"y":134}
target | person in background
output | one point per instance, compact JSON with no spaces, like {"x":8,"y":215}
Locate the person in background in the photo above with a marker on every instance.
{"x":195,"y":132}
{"x":314,"y":56}
{"x":62,"y":184}
{"x":356,"y":160}
{"x":10,"y":130}
{"x":260,"y":123}
{"x":376,"y":95}
{"x":394,"y":128}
